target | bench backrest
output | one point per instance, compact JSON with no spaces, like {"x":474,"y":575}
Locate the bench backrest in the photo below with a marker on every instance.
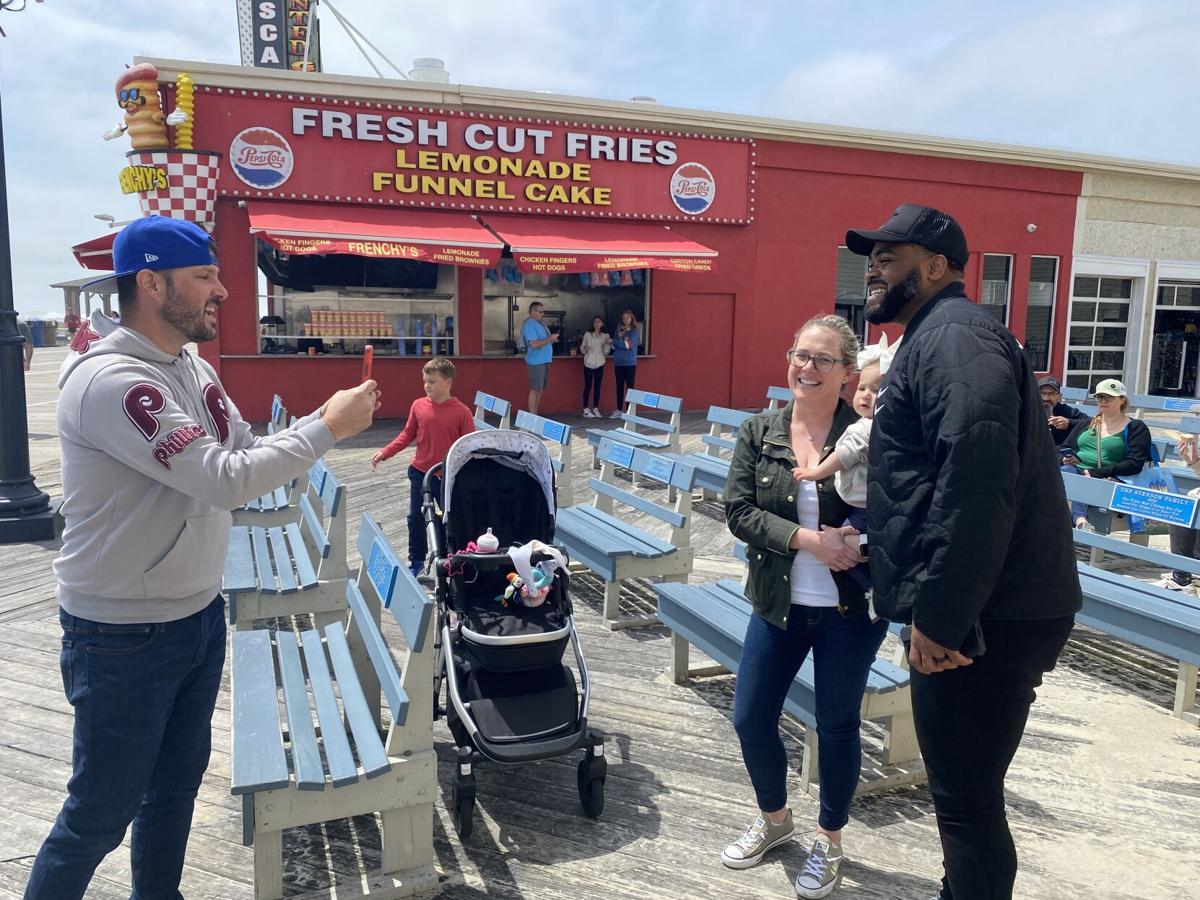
{"x":1143,"y":403}
{"x":323,"y":522}
{"x":383,"y":583}
{"x":1074,"y":395}
{"x":279,"y":413}
{"x":675,"y":474}
{"x":723,"y":425}
{"x":486,"y":403}
{"x":777,"y":397}
{"x":644,"y":401}
{"x":1101,"y":493}
{"x":558,"y":435}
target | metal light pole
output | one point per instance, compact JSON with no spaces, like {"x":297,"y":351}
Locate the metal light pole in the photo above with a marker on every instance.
{"x":25,"y":511}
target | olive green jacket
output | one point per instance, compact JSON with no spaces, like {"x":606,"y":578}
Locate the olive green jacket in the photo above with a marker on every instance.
{"x":760,"y":509}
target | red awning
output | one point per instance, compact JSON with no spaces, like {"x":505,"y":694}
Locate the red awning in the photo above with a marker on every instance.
{"x":574,"y":245}
{"x":96,"y":253}
{"x":386,"y":232}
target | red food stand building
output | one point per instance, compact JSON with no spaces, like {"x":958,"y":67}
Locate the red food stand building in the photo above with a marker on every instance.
{"x":424,"y":218}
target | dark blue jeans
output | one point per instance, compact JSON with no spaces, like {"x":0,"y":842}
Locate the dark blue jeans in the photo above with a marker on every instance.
{"x":418,"y":542}
{"x":843,"y":648}
{"x":143,"y":698}
{"x":1078,"y":510}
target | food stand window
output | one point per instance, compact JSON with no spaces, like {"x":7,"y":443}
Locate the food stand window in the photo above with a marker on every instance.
{"x":578,"y":270}
{"x":337,"y":303}
{"x":570,"y":301}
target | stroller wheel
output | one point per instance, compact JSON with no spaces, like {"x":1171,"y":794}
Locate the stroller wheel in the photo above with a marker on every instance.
{"x":463,"y":811}
{"x":591,"y":791}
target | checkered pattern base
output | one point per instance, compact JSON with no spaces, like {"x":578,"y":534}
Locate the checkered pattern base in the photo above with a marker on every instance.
{"x":191,"y":191}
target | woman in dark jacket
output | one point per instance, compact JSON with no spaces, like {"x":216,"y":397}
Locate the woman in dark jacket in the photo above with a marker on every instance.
{"x":1108,"y":446}
{"x":799,"y":552}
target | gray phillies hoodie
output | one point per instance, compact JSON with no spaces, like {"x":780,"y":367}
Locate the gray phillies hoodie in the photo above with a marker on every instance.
{"x":154,"y":456}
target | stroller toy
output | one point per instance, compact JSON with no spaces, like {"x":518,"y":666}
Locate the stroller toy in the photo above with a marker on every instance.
{"x":509,"y":697}
{"x":530,"y":595}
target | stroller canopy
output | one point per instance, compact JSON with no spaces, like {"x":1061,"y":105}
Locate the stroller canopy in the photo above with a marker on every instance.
{"x":514,"y":450}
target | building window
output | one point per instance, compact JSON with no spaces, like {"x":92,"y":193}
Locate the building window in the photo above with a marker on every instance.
{"x":1039,"y":318}
{"x":851,"y":300}
{"x":337,"y":303}
{"x":1099,"y":328}
{"x":1175,"y":346}
{"x":997,"y":285}
{"x":570,"y":303}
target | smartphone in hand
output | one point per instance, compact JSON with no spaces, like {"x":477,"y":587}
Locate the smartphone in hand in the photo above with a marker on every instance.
{"x":368,"y":360}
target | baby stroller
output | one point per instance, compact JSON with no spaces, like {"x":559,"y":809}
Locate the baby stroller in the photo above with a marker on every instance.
{"x":509,"y":697}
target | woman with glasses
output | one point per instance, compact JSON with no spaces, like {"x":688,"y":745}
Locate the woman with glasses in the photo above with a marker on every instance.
{"x":803,"y":599}
{"x":1108,"y":446}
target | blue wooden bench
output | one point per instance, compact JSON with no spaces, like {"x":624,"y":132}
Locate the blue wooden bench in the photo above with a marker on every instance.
{"x":279,"y":413}
{"x":485,"y":404}
{"x":656,"y":436}
{"x":616,"y":550}
{"x":713,"y":617}
{"x":313,"y":759}
{"x":292,"y":569}
{"x":276,"y":507}
{"x":777,"y":397}
{"x":712,"y":468}
{"x":558,"y":435}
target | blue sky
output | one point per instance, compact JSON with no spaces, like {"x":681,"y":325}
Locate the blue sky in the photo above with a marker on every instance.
{"x":1116,"y":78}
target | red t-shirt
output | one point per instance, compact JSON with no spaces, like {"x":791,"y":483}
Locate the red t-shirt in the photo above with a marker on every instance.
{"x":434,"y":427}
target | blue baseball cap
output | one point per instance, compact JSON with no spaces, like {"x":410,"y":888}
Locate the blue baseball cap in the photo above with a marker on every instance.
{"x":157,"y":243}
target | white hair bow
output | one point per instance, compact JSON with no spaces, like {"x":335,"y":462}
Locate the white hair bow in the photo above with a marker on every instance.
{"x":880,"y":353}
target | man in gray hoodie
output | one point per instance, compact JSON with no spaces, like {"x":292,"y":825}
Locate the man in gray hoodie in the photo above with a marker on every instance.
{"x":154,"y":457}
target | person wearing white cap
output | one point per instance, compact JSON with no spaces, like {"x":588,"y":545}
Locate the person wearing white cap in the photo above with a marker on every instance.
{"x":1108,"y":445}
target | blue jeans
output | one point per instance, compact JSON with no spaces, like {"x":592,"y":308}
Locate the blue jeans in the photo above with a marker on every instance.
{"x":418,"y":542}
{"x":843,"y":648}
{"x":143,"y":698}
{"x":1078,"y":510}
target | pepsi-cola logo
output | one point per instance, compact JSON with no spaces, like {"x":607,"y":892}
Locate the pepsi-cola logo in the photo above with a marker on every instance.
{"x":262,"y":158}
{"x":693,"y":188}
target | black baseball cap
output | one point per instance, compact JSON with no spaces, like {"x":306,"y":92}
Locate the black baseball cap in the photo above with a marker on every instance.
{"x":913,"y":224}
{"x":1051,"y":382}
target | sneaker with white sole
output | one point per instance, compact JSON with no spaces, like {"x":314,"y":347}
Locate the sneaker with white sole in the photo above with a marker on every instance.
{"x":760,"y":836}
{"x":615,"y":414}
{"x":596,"y":414}
{"x":1084,"y":525}
{"x":588,"y":414}
{"x":819,"y":877}
{"x":1168,"y":583}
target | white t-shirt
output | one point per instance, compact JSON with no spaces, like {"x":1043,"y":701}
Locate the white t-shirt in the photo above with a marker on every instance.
{"x":812,"y":582}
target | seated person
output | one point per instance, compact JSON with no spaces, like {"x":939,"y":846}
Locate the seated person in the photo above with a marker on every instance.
{"x":1184,"y":541}
{"x":1062,"y":418}
{"x":1107,"y":446}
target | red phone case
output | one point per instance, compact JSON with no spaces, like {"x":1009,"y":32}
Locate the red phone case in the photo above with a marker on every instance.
{"x":368,"y":359}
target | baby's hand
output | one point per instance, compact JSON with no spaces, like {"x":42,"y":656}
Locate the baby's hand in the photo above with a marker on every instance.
{"x":801,"y":474}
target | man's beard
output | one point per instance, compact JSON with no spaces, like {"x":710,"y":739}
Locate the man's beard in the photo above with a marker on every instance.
{"x":897,"y":297}
{"x":191,"y":323}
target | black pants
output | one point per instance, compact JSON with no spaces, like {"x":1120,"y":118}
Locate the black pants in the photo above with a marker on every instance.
{"x":1184,"y":542}
{"x":969,"y":723}
{"x":624,"y":382}
{"x":592,"y":379}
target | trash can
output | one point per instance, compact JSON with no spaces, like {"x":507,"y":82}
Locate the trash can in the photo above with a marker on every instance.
{"x":50,"y":332}
{"x":35,"y":330}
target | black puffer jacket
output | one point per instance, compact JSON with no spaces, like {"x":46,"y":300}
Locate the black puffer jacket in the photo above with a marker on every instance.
{"x":965,"y":503}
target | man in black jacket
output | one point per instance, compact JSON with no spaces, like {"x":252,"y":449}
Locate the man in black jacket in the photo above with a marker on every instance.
{"x":1061,"y":417}
{"x":969,"y":543}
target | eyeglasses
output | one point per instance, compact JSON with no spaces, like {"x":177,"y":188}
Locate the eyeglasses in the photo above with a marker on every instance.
{"x":1105,"y":397}
{"x":822,"y":362}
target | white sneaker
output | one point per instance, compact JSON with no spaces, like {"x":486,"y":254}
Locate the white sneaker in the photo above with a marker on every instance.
{"x":1168,"y":583}
{"x":588,"y":414}
{"x":615,"y":414}
{"x":596,"y":414}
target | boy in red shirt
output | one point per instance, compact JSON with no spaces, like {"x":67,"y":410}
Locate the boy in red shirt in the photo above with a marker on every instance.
{"x":435,"y":421}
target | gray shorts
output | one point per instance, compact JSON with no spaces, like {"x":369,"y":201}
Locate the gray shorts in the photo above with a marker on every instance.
{"x":538,"y":376}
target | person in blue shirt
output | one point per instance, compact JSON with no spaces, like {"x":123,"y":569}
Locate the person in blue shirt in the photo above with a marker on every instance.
{"x":539,"y":349}
{"x":625,"y":350}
